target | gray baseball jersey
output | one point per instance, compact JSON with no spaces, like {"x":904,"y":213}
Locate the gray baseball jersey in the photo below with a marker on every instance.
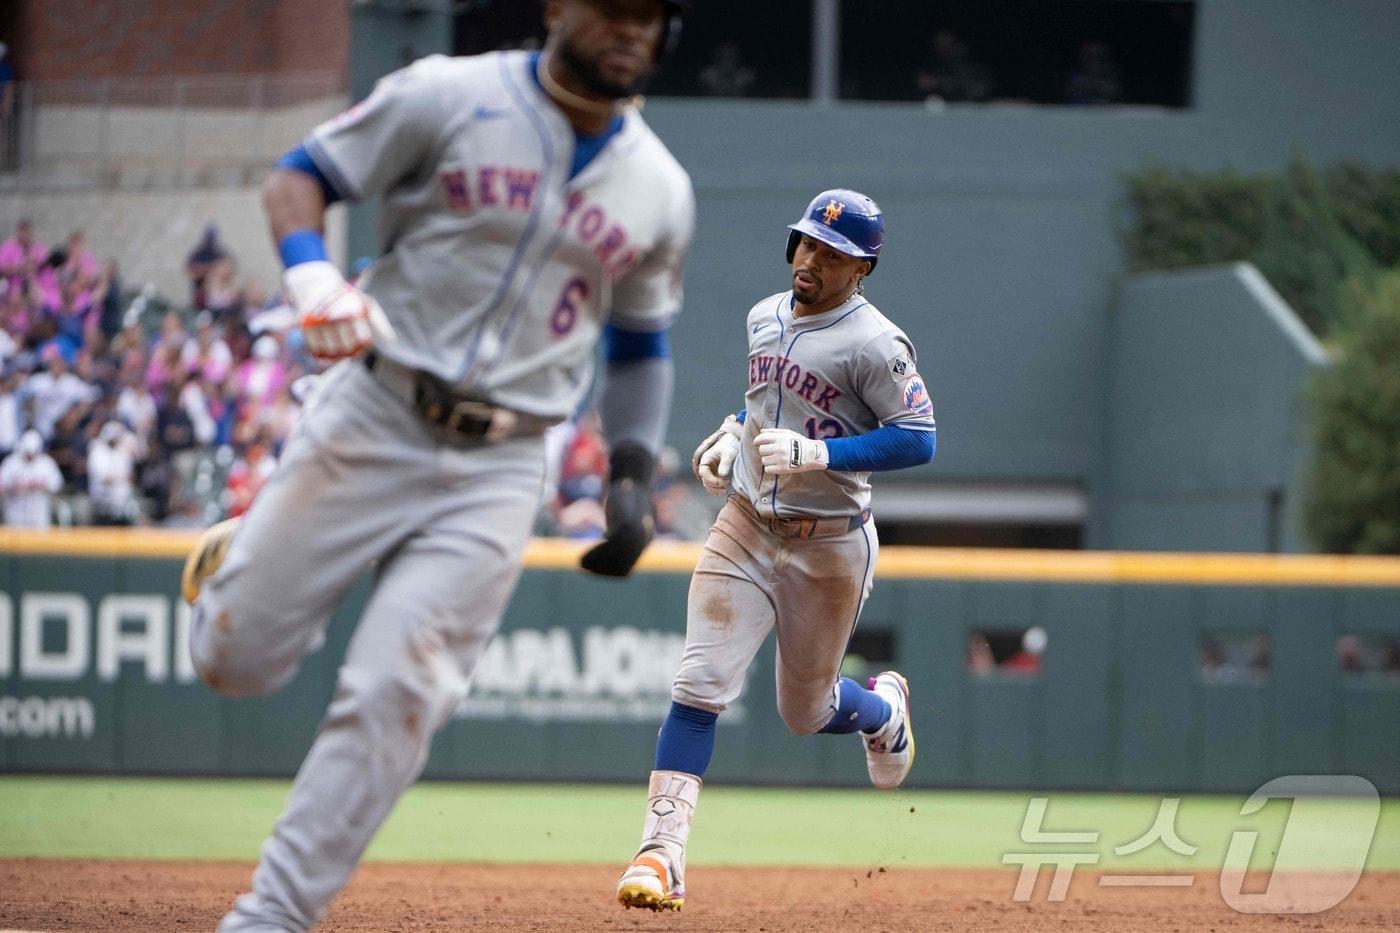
{"x":843,"y":372}
{"x":498,"y":270}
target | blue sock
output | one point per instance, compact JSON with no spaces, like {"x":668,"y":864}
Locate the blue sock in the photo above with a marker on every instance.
{"x":687,"y":740}
{"x":856,"y":709}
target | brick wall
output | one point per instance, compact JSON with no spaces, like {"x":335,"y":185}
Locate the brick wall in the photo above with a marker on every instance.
{"x":313,"y":35}
{"x":67,"y":39}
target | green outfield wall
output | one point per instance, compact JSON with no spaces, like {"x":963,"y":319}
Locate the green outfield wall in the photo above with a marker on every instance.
{"x":1207,"y":440}
{"x":96,"y":676}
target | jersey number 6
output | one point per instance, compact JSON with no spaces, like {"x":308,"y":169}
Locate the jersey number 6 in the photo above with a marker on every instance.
{"x":565,"y":314}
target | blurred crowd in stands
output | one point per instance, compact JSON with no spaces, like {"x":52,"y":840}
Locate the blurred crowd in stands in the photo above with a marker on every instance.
{"x":1369,"y":655}
{"x":579,"y":456}
{"x":124,"y":408}
{"x":1010,"y":652}
{"x":120,"y":408}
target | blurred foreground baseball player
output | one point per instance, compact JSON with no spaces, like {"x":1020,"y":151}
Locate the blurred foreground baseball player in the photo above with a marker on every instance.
{"x":527,"y":211}
{"x":833,"y":394}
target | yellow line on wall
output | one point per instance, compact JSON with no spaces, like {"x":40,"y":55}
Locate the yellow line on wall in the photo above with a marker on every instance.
{"x":97,"y":542}
{"x":895,"y":562}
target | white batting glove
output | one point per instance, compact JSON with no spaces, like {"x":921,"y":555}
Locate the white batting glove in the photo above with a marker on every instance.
{"x":713,"y":460}
{"x":337,"y":319}
{"x":783,"y":451}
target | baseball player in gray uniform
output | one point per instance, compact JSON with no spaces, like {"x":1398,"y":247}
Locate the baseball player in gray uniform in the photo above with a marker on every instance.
{"x":527,"y":213}
{"x":833,"y":394}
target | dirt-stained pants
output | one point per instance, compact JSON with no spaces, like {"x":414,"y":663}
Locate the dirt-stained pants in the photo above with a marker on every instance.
{"x":362,"y":484}
{"x":749,"y":581}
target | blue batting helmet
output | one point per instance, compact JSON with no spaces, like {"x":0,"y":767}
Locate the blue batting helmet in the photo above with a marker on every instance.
{"x":847,"y":221}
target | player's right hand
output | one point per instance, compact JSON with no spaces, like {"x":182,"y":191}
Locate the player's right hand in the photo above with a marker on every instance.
{"x":713,"y":460}
{"x":337,"y":319}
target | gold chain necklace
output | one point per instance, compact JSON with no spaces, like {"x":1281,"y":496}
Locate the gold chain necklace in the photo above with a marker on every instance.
{"x":567,"y":97}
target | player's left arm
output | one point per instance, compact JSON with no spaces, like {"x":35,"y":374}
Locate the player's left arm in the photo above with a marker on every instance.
{"x":887,"y":380}
{"x":634,"y":399}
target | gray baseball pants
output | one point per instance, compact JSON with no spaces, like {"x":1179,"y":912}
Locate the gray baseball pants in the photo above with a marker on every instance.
{"x":363,"y":484}
{"x":750,"y":581}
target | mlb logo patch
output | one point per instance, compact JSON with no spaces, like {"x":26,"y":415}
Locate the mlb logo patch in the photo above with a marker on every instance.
{"x":916,"y":398}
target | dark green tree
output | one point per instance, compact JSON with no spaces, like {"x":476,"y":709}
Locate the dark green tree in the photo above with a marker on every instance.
{"x":1305,"y":251}
{"x":1185,"y":218}
{"x":1353,"y":499}
{"x":1368,"y":205}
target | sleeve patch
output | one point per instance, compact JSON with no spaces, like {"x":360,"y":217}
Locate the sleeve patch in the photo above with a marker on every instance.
{"x":916,"y":398}
{"x":349,"y":118}
{"x":900,"y":367}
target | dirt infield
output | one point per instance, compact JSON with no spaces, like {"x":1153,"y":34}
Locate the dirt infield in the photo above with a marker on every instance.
{"x":116,"y":897}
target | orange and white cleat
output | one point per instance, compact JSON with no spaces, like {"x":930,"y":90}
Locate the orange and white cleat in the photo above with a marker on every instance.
{"x":649,"y":882}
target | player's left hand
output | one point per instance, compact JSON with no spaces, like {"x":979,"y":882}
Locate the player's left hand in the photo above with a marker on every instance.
{"x":628,"y":510}
{"x":782,"y":451}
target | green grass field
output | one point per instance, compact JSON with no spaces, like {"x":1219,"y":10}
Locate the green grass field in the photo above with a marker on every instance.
{"x":119,"y":818}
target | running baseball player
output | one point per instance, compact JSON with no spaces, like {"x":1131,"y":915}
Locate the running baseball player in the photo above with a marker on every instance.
{"x":527,"y":212}
{"x":833,"y":394}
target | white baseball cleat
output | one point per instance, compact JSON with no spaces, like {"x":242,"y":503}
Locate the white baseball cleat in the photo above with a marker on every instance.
{"x":889,"y":753}
{"x":648,"y":882}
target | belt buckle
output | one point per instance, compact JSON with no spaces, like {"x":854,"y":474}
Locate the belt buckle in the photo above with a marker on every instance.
{"x":495,"y":424}
{"x":789,"y":527}
{"x":478,"y":413}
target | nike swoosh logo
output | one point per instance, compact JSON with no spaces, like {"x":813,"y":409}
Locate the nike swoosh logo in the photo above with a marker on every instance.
{"x":488,"y":113}
{"x":757,"y":328}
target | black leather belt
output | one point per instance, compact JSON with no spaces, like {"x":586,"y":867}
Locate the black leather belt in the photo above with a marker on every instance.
{"x":803,"y":527}
{"x":458,"y":416}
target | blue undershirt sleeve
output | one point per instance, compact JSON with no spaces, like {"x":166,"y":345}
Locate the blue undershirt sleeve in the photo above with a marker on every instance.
{"x":299,"y":160}
{"x":887,"y":448}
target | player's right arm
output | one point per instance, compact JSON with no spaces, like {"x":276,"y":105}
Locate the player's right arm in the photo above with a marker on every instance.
{"x":337,"y":320}
{"x":293,"y":200}
{"x":713,"y":460}
{"x":361,"y":153}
